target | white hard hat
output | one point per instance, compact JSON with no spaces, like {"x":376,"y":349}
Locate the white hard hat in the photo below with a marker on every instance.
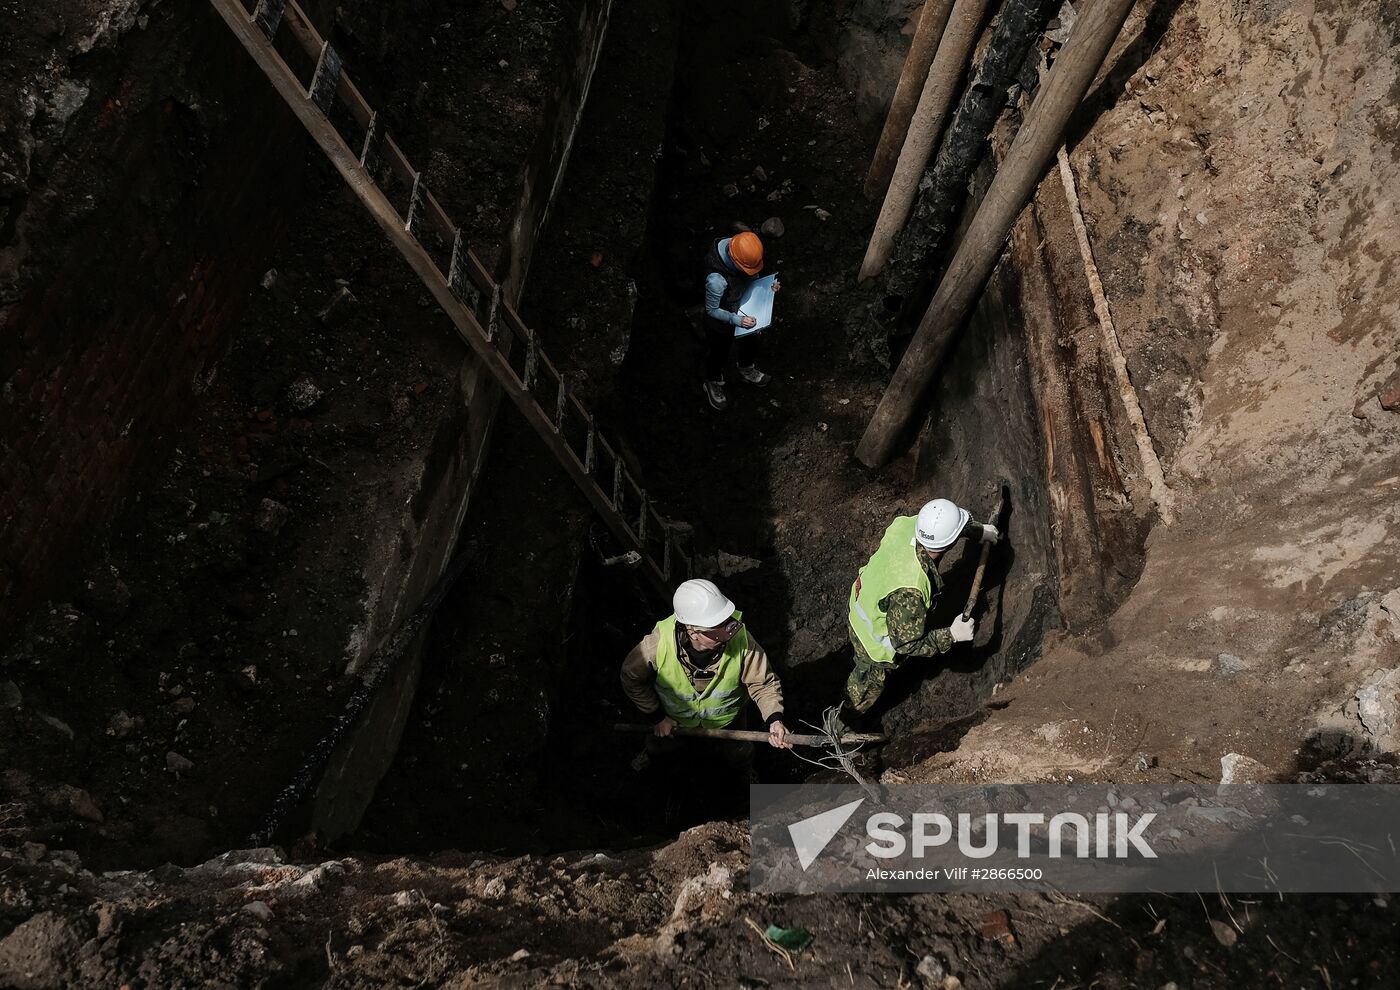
{"x":699,"y":603}
{"x":940,"y":522}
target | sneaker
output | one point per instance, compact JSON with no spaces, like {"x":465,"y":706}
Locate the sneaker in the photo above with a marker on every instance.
{"x":753,"y":376}
{"x":714,"y":391}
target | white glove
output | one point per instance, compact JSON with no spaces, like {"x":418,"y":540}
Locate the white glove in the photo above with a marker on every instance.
{"x":962,"y":629}
{"x":990,"y":534}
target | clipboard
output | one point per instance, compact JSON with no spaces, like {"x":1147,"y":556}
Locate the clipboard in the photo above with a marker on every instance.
{"x":757,"y":302}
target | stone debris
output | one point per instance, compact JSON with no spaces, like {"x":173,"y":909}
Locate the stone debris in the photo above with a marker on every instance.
{"x":1228,"y":663}
{"x":271,"y":517}
{"x":259,"y":910}
{"x":176,"y":763}
{"x":10,"y":695}
{"x":60,"y":726}
{"x":1378,"y":707}
{"x":1224,"y":933}
{"x":337,"y":311}
{"x":76,"y":801}
{"x":772,"y":227}
{"x":303,"y":394}
{"x":104,"y":594}
{"x":1238,"y":769}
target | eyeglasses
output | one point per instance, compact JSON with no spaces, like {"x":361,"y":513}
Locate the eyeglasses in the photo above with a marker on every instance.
{"x":717,"y":634}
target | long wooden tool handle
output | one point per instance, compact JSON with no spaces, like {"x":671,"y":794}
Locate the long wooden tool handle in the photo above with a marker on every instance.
{"x":982,"y":562}
{"x":746,"y":735}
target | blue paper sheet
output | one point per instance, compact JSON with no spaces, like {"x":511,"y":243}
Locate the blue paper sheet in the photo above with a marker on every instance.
{"x":758,"y":303}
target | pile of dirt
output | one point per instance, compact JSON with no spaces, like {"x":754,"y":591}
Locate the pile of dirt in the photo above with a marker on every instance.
{"x":671,"y":916}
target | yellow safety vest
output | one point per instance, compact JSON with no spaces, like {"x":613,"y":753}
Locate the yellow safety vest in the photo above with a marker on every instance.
{"x":720,"y":702}
{"x":893,"y":566}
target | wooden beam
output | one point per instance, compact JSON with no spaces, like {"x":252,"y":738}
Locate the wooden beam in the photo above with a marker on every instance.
{"x":932,"y":20}
{"x":982,"y":245}
{"x":937,"y":96}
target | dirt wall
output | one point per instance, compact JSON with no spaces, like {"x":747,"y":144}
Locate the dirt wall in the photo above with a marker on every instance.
{"x":144,"y":171}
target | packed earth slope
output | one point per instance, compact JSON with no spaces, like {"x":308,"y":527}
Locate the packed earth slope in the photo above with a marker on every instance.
{"x":1253,"y":293}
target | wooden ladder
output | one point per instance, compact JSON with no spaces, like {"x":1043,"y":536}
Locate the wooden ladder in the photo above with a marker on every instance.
{"x":422,"y":232}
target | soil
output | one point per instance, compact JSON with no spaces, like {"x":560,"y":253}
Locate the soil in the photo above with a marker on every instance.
{"x":1251,"y":296}
{"x":229,"y":602}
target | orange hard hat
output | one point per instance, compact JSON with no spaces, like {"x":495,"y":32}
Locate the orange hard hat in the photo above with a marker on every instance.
{"x":746,"y":250}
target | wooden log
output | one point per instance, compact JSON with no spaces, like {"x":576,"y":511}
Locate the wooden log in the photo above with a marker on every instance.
{"x":747,"y":735}
{"x":982,"y":245}
{"x":932,"y":21}
{"x":1009,"y":55}
{"x":924,"y":130}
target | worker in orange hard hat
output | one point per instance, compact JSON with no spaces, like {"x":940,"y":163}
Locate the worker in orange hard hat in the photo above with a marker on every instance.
{"x":731,"y":264}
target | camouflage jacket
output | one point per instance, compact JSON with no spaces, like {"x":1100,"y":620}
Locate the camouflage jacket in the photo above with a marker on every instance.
{"x":907,"y":616}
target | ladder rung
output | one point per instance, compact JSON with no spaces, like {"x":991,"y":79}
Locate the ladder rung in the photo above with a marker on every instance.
{"x":415,"y":202}
{"x":493,"y":318}
{"x":268,"y":16}
{"x":326,"y":79}
{"x":466,"y":279}
{"x":532,"y":361}
{"x":559,"y":407}
{"x":462,"y":287}
{"x":369,"y":152}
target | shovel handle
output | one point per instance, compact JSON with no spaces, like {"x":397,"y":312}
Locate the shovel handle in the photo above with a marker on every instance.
{"x":982,"y":561}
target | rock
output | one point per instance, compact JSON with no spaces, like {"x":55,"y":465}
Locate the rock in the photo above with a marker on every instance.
{"x":104,"y":594}
{"x":509,"y":4}
{"x":33,"y":851}
{"x":760,"y":174}
{"x":997,"y":927}
{"x":1238,"y":769}
{"x":772,"y":227}
{"x":520,"y":955}
{"x":1228,"y":663}
{"x":57,"y":724}
{"x":320,"y":877}
{"x":176,"y":763}
{"x":120,"y":725}
{"x":40,"y":953}
{"x":10,"y":695}
{"x":730,"y":190}
{"x":494,"y":888}
{"x":1378,"y":705}
{"x":303,"y":395}
{"x":1224,"y":934}
{"x":1389,"y":393}
{"x":259,"y":910}
{"x":74,"y":800}
{"x":184,"y":705}
{"x":271,"y":517}
{"x":269,"y":278}
{"x":931,"y":971}
{"x":337,"y":310}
